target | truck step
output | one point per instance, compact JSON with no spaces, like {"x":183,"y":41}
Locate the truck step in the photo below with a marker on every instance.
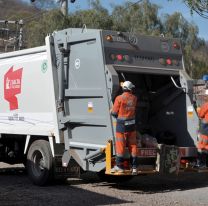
{"x":128,"y":172}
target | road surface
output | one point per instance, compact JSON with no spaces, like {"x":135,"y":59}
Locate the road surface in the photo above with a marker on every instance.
{"x":185,"y":190}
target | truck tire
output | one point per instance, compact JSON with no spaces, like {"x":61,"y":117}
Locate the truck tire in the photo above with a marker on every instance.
{"x":40,"y":162}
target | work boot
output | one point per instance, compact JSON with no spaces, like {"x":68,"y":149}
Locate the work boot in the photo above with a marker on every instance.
{"x":117,"y":169}
{"x":119,"y":165}
{"x":133,"y":162}
{"x":201,"y":165}
{"x":201,"y":161}
{"x":134,"y":171}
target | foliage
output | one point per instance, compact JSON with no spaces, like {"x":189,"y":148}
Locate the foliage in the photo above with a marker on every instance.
{"x":48,"y":22}
{"x":199,"y":6}
{"x":97,"y":17}
{"x":176,"y":25}
{"x":142,"y":18}
{"x":9,"y":9}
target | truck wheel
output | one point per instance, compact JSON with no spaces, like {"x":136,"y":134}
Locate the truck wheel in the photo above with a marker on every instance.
{"x":40,"y":162}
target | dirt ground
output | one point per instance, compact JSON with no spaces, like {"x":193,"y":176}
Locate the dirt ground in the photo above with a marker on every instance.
{"x":184,"y":190}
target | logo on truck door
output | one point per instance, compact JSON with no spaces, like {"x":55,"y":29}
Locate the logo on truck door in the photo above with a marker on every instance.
{"x":12,"y":87}
{"x":77,"y":63}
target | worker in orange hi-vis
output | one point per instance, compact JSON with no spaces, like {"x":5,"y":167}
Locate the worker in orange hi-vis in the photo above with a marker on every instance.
{"x":202,"y":144}
{"x":124,"y":109}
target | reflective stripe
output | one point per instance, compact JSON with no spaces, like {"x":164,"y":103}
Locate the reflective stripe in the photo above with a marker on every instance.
{"x":127,"y":139}
{"x":120,"y":139}
{"x":123,"y":96}
{"x":204,"y":121}
{"x":203,"y":137}
{"x":130,"y":122}
{"x":119,"y":155}
{"x":125,"y":125}
{"x":203,"y":140}
{"x":126,"y":118}
{"x":125,"y":105}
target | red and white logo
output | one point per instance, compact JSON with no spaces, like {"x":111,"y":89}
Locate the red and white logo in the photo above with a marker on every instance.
{"x":12,"y":87}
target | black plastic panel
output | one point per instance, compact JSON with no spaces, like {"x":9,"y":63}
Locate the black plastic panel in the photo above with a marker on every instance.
{"x":142,"y":51}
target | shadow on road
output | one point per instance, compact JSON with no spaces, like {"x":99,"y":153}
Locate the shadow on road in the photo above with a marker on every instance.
{"x":16,"y":189}
{"x":162,"y":184}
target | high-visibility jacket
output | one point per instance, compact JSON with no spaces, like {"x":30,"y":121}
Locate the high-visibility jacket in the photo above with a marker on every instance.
{"x":203,"y":130}
{"x":124,"y":109}
{"x":203,"y":112}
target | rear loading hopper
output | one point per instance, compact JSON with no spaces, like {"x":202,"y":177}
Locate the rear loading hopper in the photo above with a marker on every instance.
{"x":95,"y":65}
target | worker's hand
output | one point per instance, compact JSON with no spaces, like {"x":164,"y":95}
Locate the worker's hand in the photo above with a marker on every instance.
{"x":198,"y":109}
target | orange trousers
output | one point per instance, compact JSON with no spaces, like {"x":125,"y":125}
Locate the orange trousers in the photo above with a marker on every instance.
{"x":126,"y":139}
{"x":202,"y":142}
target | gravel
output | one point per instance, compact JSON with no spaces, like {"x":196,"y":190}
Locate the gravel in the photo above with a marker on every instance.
{"x":184,"y":190}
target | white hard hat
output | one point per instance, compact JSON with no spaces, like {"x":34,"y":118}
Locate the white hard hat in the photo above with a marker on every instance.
{"x":128,"y":85}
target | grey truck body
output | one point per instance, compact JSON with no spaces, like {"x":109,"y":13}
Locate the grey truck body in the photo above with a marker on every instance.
{"x":93,"y":80}
{"x":69,"y":86}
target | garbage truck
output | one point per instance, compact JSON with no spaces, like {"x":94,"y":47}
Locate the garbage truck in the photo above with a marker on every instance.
{"x":56,"y":100}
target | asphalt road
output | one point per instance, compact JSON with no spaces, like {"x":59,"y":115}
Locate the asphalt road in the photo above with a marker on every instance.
{"x":184,"y":190}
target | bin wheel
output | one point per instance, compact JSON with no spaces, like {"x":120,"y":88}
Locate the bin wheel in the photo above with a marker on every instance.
{"x":40,"y":162}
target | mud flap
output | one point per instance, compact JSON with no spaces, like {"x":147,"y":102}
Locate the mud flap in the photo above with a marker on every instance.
{"x":71,"y":171}
{"x":168,"y":159}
